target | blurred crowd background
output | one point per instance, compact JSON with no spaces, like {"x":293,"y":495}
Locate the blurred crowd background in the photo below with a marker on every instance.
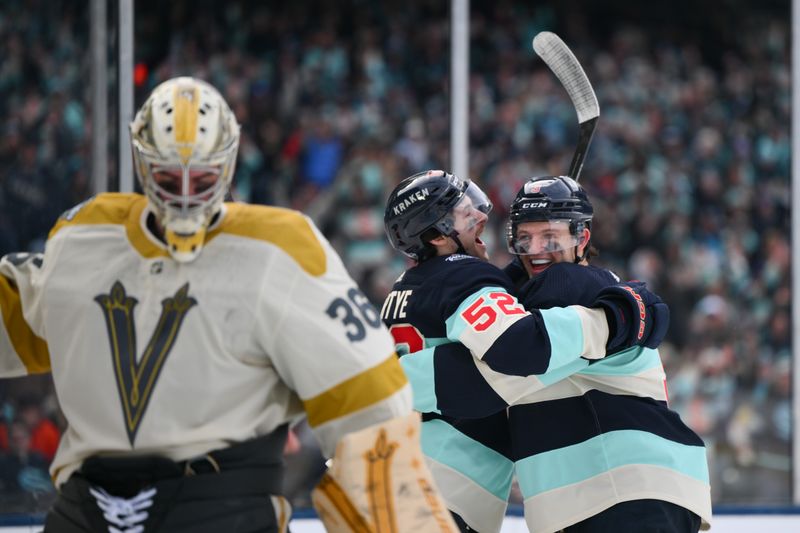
{"x":688,"y":171}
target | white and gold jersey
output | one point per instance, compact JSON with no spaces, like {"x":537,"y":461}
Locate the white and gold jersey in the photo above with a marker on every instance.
{"x":150,"y":355}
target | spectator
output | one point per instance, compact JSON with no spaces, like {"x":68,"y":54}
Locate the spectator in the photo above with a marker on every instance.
{"x":23,"y":469}
{"x":43,"y":432}
{"x":692,"y":152}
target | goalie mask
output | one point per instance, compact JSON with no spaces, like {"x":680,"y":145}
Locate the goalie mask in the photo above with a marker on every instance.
{"x":429,"y":204}
{"x":185,"y":139}
{"x":564,"y":210}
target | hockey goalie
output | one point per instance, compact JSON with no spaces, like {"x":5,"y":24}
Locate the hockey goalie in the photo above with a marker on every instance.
{"x":184,"y":333}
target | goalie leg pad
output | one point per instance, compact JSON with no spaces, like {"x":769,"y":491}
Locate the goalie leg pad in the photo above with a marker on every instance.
{"x":378,"y":482}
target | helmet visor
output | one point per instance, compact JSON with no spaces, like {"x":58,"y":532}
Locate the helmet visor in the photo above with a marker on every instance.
{"x":546,"y":237}
{"x":471,"y":209}
{"x":479,"y":199}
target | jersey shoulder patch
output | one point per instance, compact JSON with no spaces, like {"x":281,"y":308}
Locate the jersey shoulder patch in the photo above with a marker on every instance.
{"x":457,"y":257}
{"x":287,"y":229}
{"x":105,"y":208}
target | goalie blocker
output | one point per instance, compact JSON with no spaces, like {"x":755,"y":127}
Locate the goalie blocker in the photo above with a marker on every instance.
{"x":378,"y":482}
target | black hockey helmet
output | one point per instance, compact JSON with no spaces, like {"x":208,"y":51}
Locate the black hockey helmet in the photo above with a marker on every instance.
{"x":548,"y":198}
{"x":421,"y":206}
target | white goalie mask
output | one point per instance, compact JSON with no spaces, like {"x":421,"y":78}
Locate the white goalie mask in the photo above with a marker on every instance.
{"x":185,"y":139}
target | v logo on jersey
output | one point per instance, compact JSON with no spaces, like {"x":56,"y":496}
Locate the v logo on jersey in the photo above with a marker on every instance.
{"x":136,"y":379}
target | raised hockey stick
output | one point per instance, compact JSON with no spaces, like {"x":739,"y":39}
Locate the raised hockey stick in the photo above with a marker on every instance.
{"x":568,"y":70}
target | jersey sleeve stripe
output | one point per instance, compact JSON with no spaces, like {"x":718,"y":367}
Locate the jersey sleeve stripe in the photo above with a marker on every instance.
{"x":515,"y":389}
{"x":31,"y":349}
{"x":419,"y":369}
{"x":595,"y":331}
{"x":489,"y":320}
{"x":646,"y":384}
{"x":357,"y":392}
{"x":564,"y":330}
{"x":629,"y":362}
{"x":329,"y":434}
{"x":557,"y":508}
{"x":575,"y":329}
{"x":617,"y":413}
{"x":565,"y":466}
{"x":487,"y":468}
{"x":479,"y":508}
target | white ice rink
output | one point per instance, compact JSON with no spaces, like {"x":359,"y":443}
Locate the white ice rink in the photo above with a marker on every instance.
{"x":721,"y":524}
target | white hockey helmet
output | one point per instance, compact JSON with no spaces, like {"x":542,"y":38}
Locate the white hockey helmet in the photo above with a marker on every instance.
{"x":185,"y":139}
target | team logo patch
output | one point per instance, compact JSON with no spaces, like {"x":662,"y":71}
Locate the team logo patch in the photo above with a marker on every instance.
{"x":535,"y":205}
{"x":413,"y":198}
{"x":137,"y":378}
{"x":536,"y":186}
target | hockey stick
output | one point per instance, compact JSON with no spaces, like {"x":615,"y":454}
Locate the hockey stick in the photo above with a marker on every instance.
{"x":568,"y":70}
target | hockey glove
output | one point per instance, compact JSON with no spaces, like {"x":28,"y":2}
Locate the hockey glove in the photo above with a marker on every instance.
{"x":636,"y":316}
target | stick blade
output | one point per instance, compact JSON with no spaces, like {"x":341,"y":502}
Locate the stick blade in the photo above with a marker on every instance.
{"x":568,"y":70}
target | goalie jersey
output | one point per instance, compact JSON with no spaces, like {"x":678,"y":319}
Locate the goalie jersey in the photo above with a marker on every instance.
{"x":150,"y":356}
{"x":458,"y":299}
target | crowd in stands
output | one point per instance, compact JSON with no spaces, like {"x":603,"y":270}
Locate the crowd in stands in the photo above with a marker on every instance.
{"x":689,"y":169}
{"x":30,"y":428}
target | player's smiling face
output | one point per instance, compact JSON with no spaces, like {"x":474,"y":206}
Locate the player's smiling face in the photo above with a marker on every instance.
{"x":545,"y":243}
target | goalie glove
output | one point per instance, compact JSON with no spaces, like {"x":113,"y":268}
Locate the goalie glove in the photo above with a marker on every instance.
{"x":378,"y":482}
{"x":636,"y":316}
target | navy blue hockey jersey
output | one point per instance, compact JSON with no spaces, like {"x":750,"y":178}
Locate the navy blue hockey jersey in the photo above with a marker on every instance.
{"x":456,"y":301}
{"x":583,"y":438}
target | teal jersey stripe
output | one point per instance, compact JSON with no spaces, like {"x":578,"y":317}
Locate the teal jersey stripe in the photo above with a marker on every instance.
{"x":557,"y":374}
{"x":418,"y":367}
{"x":572,"y":464}
{"x":626,"y":363}
{"x":565,"y":331}
{"x":455,"y":324}
{"x":436,"y":341}
{"x":485,"y":467}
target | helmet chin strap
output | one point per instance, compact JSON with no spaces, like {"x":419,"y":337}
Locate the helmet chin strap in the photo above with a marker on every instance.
{"x":460,"y":249}
{"x":578,"y":257}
